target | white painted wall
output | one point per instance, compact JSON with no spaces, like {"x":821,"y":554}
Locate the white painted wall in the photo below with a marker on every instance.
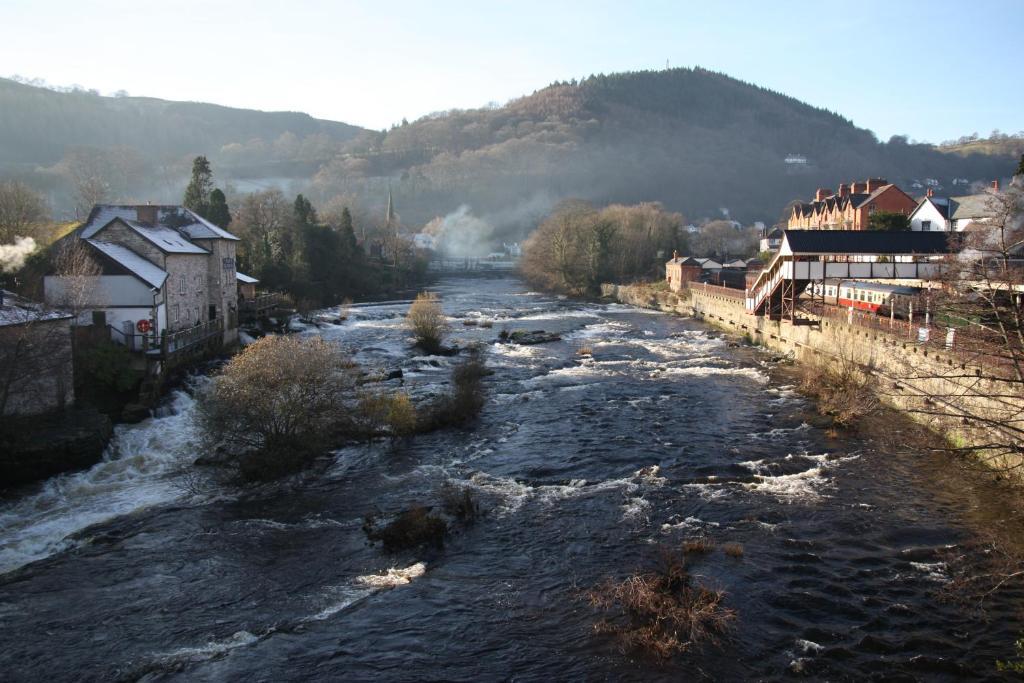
{"x":927,"y":212}
{"x":104,"y":290}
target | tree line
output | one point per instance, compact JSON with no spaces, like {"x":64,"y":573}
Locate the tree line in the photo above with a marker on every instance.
{"x":578,"y":246}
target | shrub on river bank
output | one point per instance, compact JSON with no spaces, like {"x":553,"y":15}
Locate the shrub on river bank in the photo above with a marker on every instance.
{"x":427,"y":323}
{"x":844,"y":390}
{"x":284,"y":400}
{"x":463,"y":403}
{"x":275,"y":404}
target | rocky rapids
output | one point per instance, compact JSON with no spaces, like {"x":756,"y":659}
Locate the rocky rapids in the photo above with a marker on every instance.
{"x":583,"y":464}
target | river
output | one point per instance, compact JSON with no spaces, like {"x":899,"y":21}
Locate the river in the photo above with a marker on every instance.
{"x":583,"y":466}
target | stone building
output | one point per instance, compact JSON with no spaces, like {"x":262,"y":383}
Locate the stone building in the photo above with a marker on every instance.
{"x":36,"y":372}
{"x":162,"y":269}
{"x":850,"y":207}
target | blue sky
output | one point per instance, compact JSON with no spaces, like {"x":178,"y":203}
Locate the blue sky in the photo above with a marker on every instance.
{"x":932,"y":70}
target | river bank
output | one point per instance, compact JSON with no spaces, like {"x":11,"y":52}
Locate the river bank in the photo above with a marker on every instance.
{"x":910,"y":379}
{"x":584,"y":467}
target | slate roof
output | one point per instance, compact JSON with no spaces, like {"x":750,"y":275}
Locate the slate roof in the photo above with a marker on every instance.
{"x":17,"y":310}
{"x":246,"y":279}
{"x":973,"y":206}
{"x":866,"y":242}
{"x":188,"y":222}
{"x":165,"y":239}
{"x":148,"y":272}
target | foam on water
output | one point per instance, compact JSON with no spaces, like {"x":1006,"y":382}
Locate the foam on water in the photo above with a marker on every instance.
{"x":140,"y":468}
{"x":515,"y":494}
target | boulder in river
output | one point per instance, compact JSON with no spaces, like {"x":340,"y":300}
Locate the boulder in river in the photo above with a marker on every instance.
{"x":525,"y":338}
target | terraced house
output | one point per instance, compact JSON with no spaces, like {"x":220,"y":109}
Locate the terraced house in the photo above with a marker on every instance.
{"x":851,"y":206}
{"x":161,"y":269}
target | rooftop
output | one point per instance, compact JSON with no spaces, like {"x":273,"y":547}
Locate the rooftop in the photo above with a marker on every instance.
{"x":149,"y":273}
{"x":17,"y":310}
{"x":864,"y":242}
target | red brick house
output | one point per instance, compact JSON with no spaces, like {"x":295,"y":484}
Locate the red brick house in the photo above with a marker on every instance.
{"x":851,"y":206}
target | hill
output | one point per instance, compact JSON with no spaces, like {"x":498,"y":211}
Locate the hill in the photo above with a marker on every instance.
{"x":695,"y":140}
{"x":999,"y":145}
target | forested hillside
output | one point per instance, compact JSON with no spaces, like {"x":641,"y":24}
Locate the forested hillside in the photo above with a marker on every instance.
{"x":694,"y":140}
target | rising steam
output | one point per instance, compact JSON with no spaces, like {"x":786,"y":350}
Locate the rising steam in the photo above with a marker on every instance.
{"x":12,"y":256}
{"x":460,"y":234}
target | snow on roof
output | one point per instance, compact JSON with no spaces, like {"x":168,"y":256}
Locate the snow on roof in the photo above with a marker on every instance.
{"x":245,"y":279}
{"x":204,"y":229}
{"x":188,"y":222}
{"x":165,"y":239}
{"x":16,"y":310}
{"x":148,"y":272}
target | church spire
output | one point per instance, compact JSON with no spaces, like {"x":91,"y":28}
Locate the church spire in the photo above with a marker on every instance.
{"x":389,"y":217}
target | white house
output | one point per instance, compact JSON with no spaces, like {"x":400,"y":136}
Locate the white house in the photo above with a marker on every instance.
{"x":771,"y":240}
{"x":952,"y":214}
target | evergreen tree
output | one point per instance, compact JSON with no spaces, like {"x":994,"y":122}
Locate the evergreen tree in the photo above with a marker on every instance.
{"x":347,"y":232}
{"x":217,"y":211}
{"x":305,"y":214}
{"x":1020,"y":166}
{"x":197,"y":194}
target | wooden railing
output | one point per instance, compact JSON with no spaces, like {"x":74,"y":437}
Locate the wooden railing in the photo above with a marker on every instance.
{"x":259,"y":305}
{"x":183,"y":340}
{"x":168,"y":343}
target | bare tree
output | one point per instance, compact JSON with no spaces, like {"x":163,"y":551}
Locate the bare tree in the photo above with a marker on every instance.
{"x":89,"y":171}
{"x":35,"y":358}
{"x":23,"y":212}
{"x":78,"y":274}
{"x":979,"y":401}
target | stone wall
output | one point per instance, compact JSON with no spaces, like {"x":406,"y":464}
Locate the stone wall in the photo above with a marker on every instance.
{"x":912,"y":378}
{"x":42,"y":376}
{"x":193,"y":267}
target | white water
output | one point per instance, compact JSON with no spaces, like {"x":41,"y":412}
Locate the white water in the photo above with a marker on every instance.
{"x":140,"y":468}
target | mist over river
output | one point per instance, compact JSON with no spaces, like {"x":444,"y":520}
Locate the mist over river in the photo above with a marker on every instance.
{"x":583,"y":467}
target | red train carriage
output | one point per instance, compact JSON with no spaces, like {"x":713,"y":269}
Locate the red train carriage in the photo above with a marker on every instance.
{"x":869,"y":296}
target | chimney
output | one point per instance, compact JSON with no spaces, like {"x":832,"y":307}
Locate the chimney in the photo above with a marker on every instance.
{"x":821,"y":194}
{"x":995,"y":186}
{"x":675,"y":253}
{"x":147,"y":214}
{"x":858,"y":188}
{"x":844,"y":190}
{"x":874,"y":184}
{"x":931,"y":192}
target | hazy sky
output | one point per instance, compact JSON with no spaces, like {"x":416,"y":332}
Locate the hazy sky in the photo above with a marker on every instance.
{"x":933,"y":70}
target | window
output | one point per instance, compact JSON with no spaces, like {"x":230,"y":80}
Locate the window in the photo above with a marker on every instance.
{"x":926,"y":225}
{"x":197,"y":316}
{"x":181,"y":285}
{"x":199,"y":284}
{"x":174,"y":314}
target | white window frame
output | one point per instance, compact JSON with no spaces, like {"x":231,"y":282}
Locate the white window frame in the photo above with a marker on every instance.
{"x":182,"y":286}
{"x":175,"y":313}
